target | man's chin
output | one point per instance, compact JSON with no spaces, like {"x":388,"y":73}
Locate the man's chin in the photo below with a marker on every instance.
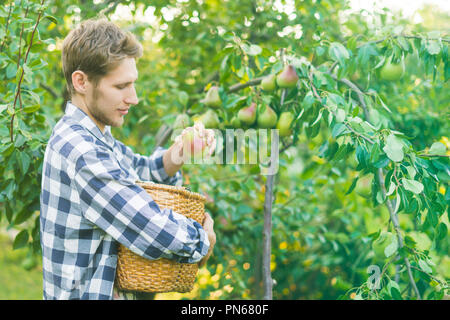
{"x":117,"y":123}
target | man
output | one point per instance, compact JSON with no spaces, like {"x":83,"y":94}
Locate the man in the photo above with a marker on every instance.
{"x":89,"y":200}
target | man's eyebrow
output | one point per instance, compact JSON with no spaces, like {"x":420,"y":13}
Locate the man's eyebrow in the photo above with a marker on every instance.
{"x":125,"y":82}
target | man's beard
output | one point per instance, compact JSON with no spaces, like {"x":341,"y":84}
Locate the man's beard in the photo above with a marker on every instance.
{"x":97,"y":112}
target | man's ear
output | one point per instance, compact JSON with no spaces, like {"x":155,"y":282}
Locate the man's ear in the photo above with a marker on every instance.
{"x":80,"y":81}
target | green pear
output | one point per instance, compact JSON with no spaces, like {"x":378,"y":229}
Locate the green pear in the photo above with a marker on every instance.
{"x":182,"y":121}
{"x":392,"y":71}
{"x":284,"y":124}
{"x":248,"y":115}
{"x":267,"y":119}
{"x":268,"y":83}
{"x":210,"y":119}
{"x":379,"y":245}
{"x":212,"y":98}
{"x":235,"y":122}
{"x":287,"y":78}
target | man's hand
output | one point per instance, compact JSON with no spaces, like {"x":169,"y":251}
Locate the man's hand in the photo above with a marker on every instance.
{"x":203,"y":139}
{"x":208,"y":226}
{"x":173,"y":159}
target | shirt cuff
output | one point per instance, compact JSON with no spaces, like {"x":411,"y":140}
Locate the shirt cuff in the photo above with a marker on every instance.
{"x":176,"y":179}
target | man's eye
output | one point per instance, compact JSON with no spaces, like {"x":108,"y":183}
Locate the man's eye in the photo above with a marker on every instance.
{"x":121,"y":87}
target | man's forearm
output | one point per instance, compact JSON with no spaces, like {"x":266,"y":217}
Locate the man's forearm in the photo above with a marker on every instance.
{"x":173,"y":160}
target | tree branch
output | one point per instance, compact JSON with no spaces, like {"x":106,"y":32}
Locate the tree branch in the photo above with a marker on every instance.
{"x":403,"y":36}
{"x":358,"y":91}
{"x":11,"y":132}
{"x":380,"y":177}
{"x":49,"y":90}
{"x":345,"y":123}
{"x":434,"y":155}
{"x":6,"y":27}
{"x":240,"y":86}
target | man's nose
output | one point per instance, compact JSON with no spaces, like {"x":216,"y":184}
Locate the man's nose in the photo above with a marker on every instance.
{"x":132,"y":98}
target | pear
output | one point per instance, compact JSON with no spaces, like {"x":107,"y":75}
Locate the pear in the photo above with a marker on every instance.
{"x":182,"y":121}
{"x":210,"y":119}
{"x":284,"y":124}
{"x":380,"y":244}
{"x":212,"y":98}
{"x":235,"y":122}
{"x":392,"y":71}
{"x":248,"y":115}
{"x":287,"y":78}
{"x":194,"y":143}
{"x":267,"y":119}
{"x":268,"y":83}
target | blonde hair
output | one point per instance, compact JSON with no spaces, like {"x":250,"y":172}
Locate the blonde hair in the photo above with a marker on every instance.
{"x":96,"y":47}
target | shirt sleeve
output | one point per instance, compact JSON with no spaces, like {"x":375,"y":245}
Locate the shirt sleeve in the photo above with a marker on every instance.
{"x":124,"y":210}
{"x":151,"y":168}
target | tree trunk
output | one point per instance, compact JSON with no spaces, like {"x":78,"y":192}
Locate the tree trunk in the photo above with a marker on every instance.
{"x":267,"y":237}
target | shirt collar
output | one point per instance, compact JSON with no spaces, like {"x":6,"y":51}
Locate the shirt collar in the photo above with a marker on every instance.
{"x":83,"y":119}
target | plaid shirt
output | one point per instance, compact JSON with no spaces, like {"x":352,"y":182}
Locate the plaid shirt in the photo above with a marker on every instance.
{"x":90,"y":203}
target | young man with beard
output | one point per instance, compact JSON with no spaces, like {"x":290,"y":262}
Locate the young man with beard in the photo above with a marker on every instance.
{"x":89,"y":200}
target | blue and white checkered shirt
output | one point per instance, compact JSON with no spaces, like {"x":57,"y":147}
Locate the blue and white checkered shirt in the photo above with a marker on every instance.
{"x":90,"y":203}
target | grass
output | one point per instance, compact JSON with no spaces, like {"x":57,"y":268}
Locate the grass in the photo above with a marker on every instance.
{"x":17,"y":283}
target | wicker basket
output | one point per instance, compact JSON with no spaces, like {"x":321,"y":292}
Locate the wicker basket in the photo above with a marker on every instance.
{"x":135,"y":273}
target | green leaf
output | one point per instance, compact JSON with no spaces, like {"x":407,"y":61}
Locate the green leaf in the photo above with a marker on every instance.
{"x":51,"y":18}
{"x":411,"y":172}
{"x":23,"y":216}
{"x":412,"y":207}
{"x":32,"y":108}
{"x":438,"y":148}
{"x":318,"y":117}
{"x":340,"y":115}
{"x":394,"y":289}
{"x":365,"y":53}
{"x":308,"y":100}
{"x":395,"y":293}
{"x":338,"y":130}
{"x":391,"y":189}
{"x":362,"y":155}
{"x":433,"y":47}
{"x":21,"y":239}
{"x":183,"y":97}
{"x":397,"y":202}
{"x":384,"y":105}
{"x":424,"y":266}
{"x":404,"y":43}
{"x":252,"y":50}
{"x":320,"y":51}
{"x":24,"y":160}
{"x":391,"y":248}
{"x":412,"y":185}
{"x":353,"y":185}
{"x":11,"y":71}
{"x":441,"y":231}
{"x":338,"y":52}
{"x":394,"y":148}
{"x":383,"y":162}
{"x":410,"y":242}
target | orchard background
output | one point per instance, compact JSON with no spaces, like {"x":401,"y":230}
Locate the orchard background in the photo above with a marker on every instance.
{"x":367,"y":158}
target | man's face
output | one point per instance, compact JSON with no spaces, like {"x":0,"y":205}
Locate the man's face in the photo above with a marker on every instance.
{"x":109,"y":102}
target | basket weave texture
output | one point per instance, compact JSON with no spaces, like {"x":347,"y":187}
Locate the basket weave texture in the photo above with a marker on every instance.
{"x":135,"y":273}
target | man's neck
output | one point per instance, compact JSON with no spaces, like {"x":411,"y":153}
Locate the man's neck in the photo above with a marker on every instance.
{"x":79,"y":102}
